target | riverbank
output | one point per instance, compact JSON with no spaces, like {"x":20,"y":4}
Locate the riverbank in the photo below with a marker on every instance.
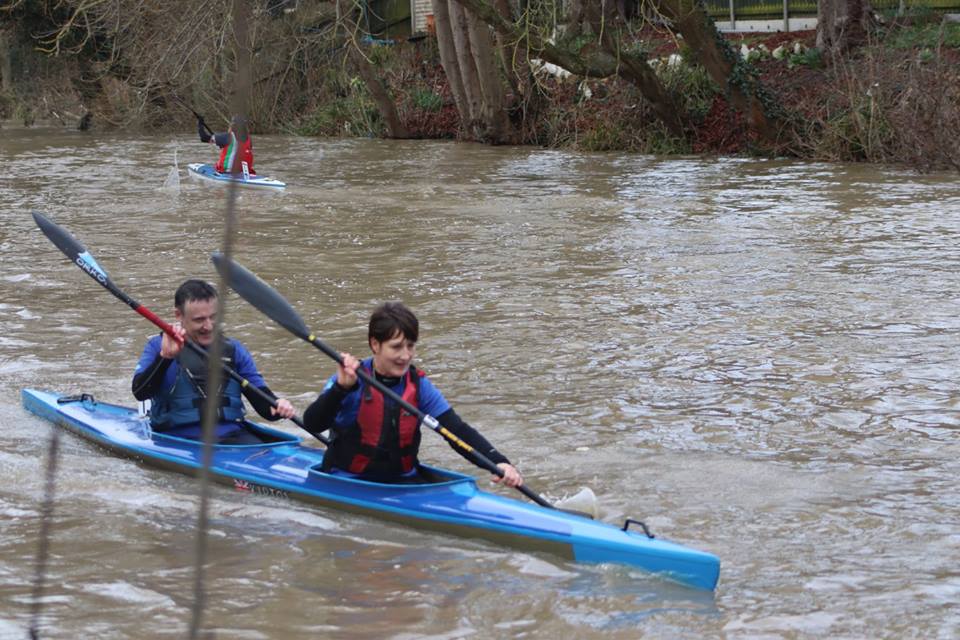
{"x":894,"y":100}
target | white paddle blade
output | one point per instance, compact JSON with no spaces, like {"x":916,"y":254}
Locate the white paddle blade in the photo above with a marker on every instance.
{"x":584,"y":500}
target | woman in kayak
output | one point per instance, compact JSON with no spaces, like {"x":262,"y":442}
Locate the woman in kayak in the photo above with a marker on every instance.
{"x":236,"y":141}
{"x":174,"y":379}
{"x":372,"y":438}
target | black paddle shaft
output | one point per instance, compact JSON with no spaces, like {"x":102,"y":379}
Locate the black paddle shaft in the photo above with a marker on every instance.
{"x":199,"y":117}
{"x":429,"y":421}
{"x":82,"y":258}
{"x":266,"y":299}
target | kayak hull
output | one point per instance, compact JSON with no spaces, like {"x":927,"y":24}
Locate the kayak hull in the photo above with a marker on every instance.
{"x":208,"y":173}
{"x":286,"y":469}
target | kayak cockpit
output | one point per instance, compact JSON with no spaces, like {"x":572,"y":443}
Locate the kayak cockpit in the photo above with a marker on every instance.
{"x":269,"y":438}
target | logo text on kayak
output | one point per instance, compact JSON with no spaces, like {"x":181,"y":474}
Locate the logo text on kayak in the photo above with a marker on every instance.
{"x":243,"y":485}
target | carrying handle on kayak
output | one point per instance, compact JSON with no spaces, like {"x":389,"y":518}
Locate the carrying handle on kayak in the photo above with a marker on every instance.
{"x":268,"y":301}
{"x":646,"y":531}
{"x":82,"y":258}
{"x":80,"y":397}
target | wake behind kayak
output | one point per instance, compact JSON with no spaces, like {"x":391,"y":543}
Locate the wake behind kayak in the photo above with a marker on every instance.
{"x":208,"y":173}
{"x":453,"y":503}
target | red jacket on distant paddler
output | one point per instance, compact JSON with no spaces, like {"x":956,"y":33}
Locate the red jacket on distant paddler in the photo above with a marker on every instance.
{"x":235,"y":145}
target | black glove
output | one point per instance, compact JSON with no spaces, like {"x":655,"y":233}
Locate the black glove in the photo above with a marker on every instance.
{"x":202,"y":130}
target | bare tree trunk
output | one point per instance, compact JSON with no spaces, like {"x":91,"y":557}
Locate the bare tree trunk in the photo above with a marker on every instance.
{"x":448,"y":57}
{"x":726,"y":68}
{"x":467,"y":53}
{"x":242,"y":85}
{"x":573,"y":26}
{"x":492,"y":112}
{"x":513,"y":57}
{"x":6,"y":69}
{"x":468,"y":70}
{"x":516,"y":68}
{"x":842,"y":25}
{"x":346,"y":10}
{"x":385,"y":104}
{"x":594,"y":62}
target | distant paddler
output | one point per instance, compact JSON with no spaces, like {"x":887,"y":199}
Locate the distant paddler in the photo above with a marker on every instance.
{"x":236,"y":146}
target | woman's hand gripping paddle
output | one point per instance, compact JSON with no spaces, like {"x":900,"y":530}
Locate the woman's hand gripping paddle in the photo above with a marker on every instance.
{"x":269,"y":302}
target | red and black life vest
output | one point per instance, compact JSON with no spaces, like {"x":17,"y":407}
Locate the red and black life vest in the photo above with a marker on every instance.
{"x":385,"y":439}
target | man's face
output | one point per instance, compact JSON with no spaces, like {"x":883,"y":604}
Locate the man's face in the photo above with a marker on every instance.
{"x":198,"y":318}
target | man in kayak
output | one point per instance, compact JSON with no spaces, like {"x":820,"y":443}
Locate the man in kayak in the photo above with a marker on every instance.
{"x":174,"y":378}
{"x":235,"y":141}
{"x":371,"y":437}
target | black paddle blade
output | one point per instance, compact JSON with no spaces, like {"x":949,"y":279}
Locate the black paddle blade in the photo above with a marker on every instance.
{"x":70,"y":247}
{"x":261,"y":295}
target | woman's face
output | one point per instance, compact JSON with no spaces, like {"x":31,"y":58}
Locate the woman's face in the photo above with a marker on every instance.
{"x":392,"y":357}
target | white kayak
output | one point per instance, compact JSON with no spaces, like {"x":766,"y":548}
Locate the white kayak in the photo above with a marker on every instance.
{"x":207,"y":172}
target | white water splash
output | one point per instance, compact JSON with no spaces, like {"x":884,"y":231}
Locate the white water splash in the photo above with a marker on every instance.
{"x":172,"y":183}
{"x":584,"y":500}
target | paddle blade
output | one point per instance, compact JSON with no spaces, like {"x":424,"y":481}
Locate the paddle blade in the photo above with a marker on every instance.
{"x":70,"y":247}
{"x":261,"y":295}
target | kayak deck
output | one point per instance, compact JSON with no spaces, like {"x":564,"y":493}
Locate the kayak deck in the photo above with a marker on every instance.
{"x":208,"y":172}
{"x":288,"y":470}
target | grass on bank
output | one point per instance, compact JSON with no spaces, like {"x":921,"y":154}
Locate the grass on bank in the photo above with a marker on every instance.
{"x":894,"y":100}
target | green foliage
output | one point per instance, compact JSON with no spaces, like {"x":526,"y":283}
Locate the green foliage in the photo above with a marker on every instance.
{"x":691,"y":84}
{"x":23,"y":112}
{"x":638,"y":48}
{"x":811,"y":58}
{"x":861,"y":133}
{"x":427,"y":100}
{"x":603,"y":136}
{"x":660,"y":142}
{"x":581,"y":41}
{"x":324,"y":121}
{"x":926,"y":35}
{"x":606,"y":135}
{"x":380,"y":55}
{"x":352,"y":115}
{"x":8,"y":103}
{"x":893,"y":11}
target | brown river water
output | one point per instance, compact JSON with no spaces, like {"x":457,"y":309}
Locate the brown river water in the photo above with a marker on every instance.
{"x":757,"y":358}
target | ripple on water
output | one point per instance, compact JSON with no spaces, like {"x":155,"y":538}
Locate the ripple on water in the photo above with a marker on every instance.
{"x":755,"y":357}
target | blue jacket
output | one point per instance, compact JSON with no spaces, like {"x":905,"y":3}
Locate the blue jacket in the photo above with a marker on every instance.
{"x":177,"y":409}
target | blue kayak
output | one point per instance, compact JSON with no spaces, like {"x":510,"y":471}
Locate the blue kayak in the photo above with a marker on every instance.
{"x":286,"y":469}
{"x":207,"y":172}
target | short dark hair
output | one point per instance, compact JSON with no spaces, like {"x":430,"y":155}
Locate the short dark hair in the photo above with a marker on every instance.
{"x":390,"y":319}
{"x":239,"y":125}
{"x":193,"y":290}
